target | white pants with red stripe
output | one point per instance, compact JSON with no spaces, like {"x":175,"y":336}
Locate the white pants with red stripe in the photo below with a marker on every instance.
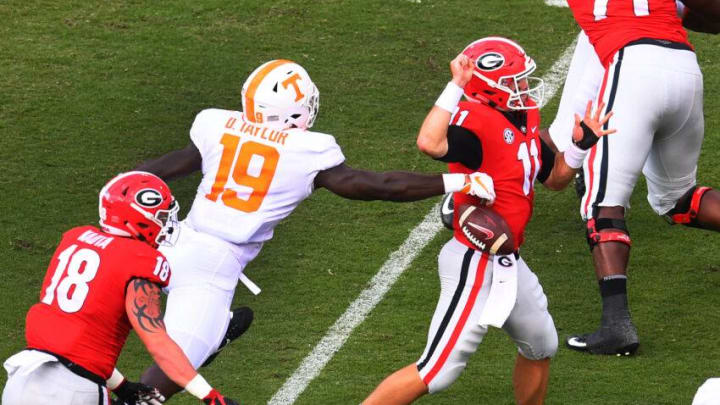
{"x":656,"y":95}
{"x":454,"y":335}
{"x":39,"y":378}
{"x":582,"y":83}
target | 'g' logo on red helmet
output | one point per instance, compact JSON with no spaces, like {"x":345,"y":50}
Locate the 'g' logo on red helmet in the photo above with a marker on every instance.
{"x":490,"y":61}
{"x":148,"y":197}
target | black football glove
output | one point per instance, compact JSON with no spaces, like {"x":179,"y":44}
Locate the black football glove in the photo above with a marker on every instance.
{"x":135,"y":393}
{"x":216,"y":398}
{"x":589,"y":138}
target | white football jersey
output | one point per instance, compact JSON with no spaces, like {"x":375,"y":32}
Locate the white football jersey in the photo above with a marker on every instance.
{"x":253,"y":176}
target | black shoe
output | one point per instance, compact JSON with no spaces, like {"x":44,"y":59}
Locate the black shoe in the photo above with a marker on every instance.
{"x":580,"y":183}
{"x":619,"y":339}
{"x":239,"y":324}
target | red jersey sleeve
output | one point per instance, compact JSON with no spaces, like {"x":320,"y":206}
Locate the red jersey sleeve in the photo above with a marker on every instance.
{"x":81,"y":314}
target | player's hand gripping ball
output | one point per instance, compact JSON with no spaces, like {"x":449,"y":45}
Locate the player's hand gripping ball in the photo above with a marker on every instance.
{"x":485,"y":229}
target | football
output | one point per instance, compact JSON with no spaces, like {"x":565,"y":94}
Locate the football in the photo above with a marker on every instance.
{"x":485,"y":229}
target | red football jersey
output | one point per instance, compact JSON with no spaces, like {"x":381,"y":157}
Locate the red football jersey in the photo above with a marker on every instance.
{"x":511,"y":157}
{"x":611,"y":24}
{"x":81,"y":314}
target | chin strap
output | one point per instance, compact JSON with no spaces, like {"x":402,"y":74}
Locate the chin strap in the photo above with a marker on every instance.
{"x":683,"y":213}
{"x":594,"y":236}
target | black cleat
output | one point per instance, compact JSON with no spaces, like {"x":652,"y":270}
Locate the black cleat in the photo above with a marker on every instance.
{"x":239,"y":324}
{"x":619,"y":340}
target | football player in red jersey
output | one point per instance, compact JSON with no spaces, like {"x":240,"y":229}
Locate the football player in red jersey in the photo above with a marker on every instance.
{"x":654,"y":85}
{"x":258,"y":165}
{"x":497,"y":132}
{"x":101,"y":283}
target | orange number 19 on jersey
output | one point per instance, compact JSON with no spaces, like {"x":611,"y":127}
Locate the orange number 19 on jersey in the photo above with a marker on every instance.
{"x":259,"y":183}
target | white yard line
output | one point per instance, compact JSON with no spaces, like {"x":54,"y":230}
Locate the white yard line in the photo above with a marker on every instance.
{"x":395,"y":265}
{"x":556,"y":3}
{"x":555,"y":77}
{"x":388,"y":274}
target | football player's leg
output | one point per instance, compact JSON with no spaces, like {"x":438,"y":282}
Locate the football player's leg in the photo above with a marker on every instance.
{"x":196,"y":318}
{"x":613,"y":168}
{"x":533,"y":330}
{"x":581,"y":84}
{"x":671,"y":167}
{"x":454,"y":331}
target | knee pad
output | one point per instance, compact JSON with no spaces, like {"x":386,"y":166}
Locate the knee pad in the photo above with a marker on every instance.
{"x":595,"y":236}
{"x":687,"y":207}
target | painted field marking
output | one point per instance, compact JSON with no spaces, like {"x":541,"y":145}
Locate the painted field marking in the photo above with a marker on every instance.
{"x":556,"y":3}
{"x":388,"y":274}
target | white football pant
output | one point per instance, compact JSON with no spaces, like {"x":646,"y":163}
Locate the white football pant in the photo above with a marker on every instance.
{"x":38,"y":378}
{"x":205,"y":271}
{"x":454,"y":335}
{"x":708,"y":393}
{"x":656,"y":96}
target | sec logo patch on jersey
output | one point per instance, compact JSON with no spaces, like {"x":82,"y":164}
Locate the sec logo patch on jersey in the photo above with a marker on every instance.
{"x":509,"y":136}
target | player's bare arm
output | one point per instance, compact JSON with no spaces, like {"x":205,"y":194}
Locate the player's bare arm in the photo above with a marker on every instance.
{"x":432,"y":137}
{"x":146,"y":306}
{"x":144,"y":310}
{"x":358,"y":184}
{"x":586,"y":133}
{"x":143,"y":307}
{"x":710,"y":9}
{"x":176,"y":164}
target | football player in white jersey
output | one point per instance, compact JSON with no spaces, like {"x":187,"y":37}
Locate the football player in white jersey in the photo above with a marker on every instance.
{"x":671,"y":179}
{"x":257,"y":166}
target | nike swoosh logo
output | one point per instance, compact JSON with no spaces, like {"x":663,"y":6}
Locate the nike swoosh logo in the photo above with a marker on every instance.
{"x":488,"y":233}
{"x":445,"y":208}
{"x":576,"y":342}
{"x":533,"y":129}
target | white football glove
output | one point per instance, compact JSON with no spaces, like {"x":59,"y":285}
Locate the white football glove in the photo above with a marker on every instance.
{"x":480,"y":185}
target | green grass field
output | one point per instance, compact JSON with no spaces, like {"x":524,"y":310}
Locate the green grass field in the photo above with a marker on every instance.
{"x":91,"y":88}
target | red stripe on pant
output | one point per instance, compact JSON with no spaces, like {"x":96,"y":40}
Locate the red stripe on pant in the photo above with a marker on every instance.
{"x":479,"y":277}
{"x":593,"y":151}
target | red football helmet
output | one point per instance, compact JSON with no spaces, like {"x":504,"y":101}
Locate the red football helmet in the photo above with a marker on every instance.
{"x":139,"y":205}
{"x":501,"y":77}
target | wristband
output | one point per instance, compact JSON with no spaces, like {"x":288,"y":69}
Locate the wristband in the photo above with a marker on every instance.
{"x":453,"y":182}
{"x":115,"y":380}
{"x":450,"y":97}
{"x":574,"y":156}
{"x":589,"y":139}
{"x":198,"y":387}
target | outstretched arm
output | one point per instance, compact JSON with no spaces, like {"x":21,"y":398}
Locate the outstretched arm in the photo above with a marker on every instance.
{"x":142,"y":304}
{"x":175,"y":164}
{"x":586,"y":134}
{"x":388,"y":186}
